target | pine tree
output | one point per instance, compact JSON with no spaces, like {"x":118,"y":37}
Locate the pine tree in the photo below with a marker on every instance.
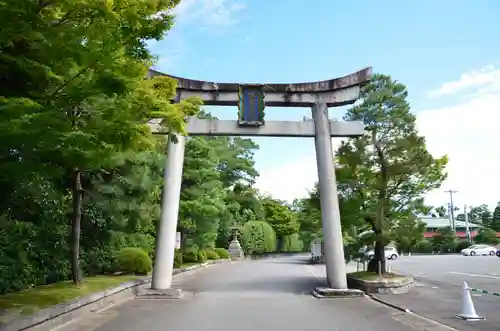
{"x":495,"y":221}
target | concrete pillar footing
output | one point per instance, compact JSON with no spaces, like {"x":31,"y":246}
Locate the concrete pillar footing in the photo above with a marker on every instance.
{"x":170,"y":293}
{"x":326,"y":292}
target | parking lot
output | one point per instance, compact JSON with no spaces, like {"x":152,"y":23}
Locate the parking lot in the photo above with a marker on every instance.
{"x":438,"y":288}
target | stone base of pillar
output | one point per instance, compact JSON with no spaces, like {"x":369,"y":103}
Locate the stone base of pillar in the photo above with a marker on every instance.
{"x":235,"y":250}
{"x":170,"y":293}
{"x":325,"y":292}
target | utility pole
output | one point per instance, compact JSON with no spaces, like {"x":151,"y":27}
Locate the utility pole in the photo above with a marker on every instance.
{"x":449,"y":216}
{"x":466,"y":219}
{"x":452,"y":211}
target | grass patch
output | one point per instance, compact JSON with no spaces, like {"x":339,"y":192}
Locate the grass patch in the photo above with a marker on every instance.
{"x":28,"y":301}
{"x":189,"y":264}
{"x":366,"y":275}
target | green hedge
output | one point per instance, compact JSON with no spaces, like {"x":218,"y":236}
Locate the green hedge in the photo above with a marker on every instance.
{"x":223,"y":253}
{"x":211,"y":254}
{"x":292,"y":243}
{"x":178,"y":259}
{"x":258,"y":237}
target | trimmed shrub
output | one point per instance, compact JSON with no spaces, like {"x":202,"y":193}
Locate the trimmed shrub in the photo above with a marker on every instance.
{"x":211,"y":254}
{"x":202,"y":256}
{"x":190,"y":257}
{"x":223,"y":253}
{"x":134,"y":260}
{"x":177,"y":259}
{"x":190,"y":254}
{"x":424,"y":246}
{"x":292,"y":243}
{"x":258,"y":237}
{"x":461,"y":244}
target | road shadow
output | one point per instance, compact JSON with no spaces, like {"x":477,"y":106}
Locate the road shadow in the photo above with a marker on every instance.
{"x":275,"y":284}
{"x":299,"y":262}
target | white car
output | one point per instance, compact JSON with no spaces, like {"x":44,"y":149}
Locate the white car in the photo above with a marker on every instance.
{"x":478,"y":250}
{"x":391,"y":253}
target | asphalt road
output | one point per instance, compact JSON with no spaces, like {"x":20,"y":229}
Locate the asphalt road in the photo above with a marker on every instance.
{"x":271,"y":294}
{"x":438,"y":291}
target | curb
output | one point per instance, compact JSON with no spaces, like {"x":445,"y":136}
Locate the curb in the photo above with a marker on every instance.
{"x":435,"y":324}
{"x":328,"y":293}
{"x":54,"y":316}
{"x":387,"y":303}
{"x":274,"y":256}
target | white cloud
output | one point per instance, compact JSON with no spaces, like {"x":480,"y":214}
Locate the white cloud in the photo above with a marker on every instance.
{"x":484,"y":80}
{"x":208,"y":13}
{"x":283,"y":182}
{"x":468,"y":132}
{"x":212,"y":15}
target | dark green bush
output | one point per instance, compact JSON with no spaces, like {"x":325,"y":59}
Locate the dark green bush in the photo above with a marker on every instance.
{"x":258,"y":237}
{"x":211,"y":254}
{"x":134,"y":260}
{"x":223,"y":253}
{"x":202,"y":256}
{"x":461,"y":244}
{"x":177,"y":259}
{"x":292,"y":243}
{"x":424,"y":246}
{"x":190,"y":255}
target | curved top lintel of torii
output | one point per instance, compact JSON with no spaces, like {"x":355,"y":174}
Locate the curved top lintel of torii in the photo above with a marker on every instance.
{"x":358,"y":78}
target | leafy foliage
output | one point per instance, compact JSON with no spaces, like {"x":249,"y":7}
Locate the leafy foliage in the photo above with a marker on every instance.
{"x":495,"y":221}
{"x":445,"y":241}
{"x":222,"y":253}
{"x":408,"y":233}
{"x":384,"y":174}
{"x":258,"y":237}
{"x":211,"y":254}
{"x":134,"y":260}
{"x":486,"y":236}
{"x":80,"y":171}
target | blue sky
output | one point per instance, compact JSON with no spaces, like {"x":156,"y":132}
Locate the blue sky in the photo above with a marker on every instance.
{"x":446,"y":52}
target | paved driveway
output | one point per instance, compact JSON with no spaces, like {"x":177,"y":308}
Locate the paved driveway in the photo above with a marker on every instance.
{"x":248,"y":296}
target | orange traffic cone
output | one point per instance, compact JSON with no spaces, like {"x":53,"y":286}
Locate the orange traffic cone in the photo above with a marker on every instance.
{"x":468,"y":310}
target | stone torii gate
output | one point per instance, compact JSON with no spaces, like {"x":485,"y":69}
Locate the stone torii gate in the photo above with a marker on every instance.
{"x":251,"y":100}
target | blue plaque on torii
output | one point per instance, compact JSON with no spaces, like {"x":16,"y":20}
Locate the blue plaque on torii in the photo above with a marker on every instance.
{"x":251,"y":105}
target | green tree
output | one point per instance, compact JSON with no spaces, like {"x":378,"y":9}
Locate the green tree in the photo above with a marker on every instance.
{"x":309,"y":218}
{"x":441,"y":211}
{"x":480,"y":214}
{"x":258,"y":237}
{"x":81,"y":96}
{"x":281,"y":218}
{"x":202,"y":194}
{"x":389,"y":168}
{"x":445,"y":241}
{"x":408,"y":232}
{"x":495,"y":220}
{"x":486,"y":236}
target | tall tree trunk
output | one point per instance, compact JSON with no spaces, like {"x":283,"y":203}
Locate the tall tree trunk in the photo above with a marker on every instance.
{"x":77,"y":195}
{"x":379,"y":251}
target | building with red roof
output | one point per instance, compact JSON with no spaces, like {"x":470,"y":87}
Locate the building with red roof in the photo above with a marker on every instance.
{"x":436,"y":223}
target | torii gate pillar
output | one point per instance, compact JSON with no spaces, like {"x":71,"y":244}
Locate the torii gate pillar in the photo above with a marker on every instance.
{"x":318,"y":96}
{"x":330,"y":215}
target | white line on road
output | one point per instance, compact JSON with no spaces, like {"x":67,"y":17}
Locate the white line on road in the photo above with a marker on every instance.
{"x":311,"y":270}
{"x":473,"y":275}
